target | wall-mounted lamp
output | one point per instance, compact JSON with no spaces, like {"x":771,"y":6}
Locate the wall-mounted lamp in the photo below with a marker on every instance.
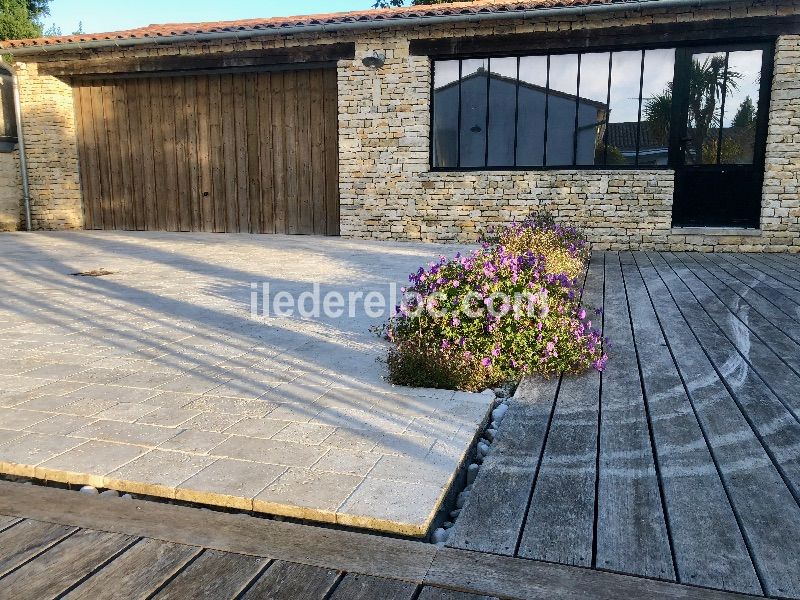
{"x":376,"y":61}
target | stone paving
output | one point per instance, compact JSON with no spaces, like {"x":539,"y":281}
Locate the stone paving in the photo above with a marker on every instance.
{"x":156,"y":380}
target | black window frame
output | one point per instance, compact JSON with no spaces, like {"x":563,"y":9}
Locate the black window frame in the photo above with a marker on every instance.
{"x":8,"y":142}
{"x":546,"y":52}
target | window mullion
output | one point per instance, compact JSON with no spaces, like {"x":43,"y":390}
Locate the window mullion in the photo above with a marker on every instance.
{"x":546,"y":111}
{"x":516,"y":113}
{"x":458,"y":129}
{"x":577,"y":112}
{"x":639,"y":112}
{"x":486,"y":132}
{"x":608,"y":110}
{"x":722,"y":108}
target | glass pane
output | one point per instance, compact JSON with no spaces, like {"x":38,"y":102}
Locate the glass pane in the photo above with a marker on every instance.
{"x":502,"y":106}
{"x":474,"y":82}
{"x":741,"y":107}
{"x":445,"y":113}
{"x":561,"y":107}
{"x":706,"y":76}
{"x":8,"y":123}
{"x":530,"y":120}
{"x":592,"y":108}
{"x":659,"y":70}
{"x":623,"y":114}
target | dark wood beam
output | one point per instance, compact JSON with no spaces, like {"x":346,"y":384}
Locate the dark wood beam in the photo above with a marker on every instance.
{"x":318,"y":53}
{"x":717,"y":30}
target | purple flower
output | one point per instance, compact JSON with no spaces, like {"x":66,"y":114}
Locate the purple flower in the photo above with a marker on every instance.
{"x":582,"y":314}
{"x":486,"y":361}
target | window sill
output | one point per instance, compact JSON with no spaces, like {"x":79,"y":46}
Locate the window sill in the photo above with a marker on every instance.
{"x":7,"y":146}
{"x":716,"y":231}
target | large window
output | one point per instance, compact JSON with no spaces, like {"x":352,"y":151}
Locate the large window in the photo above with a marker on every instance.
{"x":8,"y":123}
{"x":560,"y":110}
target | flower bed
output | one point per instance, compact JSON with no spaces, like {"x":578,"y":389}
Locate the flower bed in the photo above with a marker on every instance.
{"x":509,"y":308}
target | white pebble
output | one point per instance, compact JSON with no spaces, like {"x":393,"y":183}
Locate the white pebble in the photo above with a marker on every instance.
{"x":109,"y":494}
{"x":461,"y":500}
{"x":454,"y":513}
{"x":499,"y":412}
{"x":126,"y":497}
{"x":472,"y":472}
{"x":89,"y":489}
{"x":440,"y":536}
{"x":500,"y":392}
{"x":483,"y":449}
{"x":488,"y":392}
{"x":447,"y":525}
{"x":490,"y":433}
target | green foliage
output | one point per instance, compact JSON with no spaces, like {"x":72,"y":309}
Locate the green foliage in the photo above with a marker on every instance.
{"x":17,"y":20}
{"x":510,"y":307}
{"x":746,"y":115}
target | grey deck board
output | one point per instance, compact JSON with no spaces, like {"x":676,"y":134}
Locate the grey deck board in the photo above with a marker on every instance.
{"x":433,"y":593}
{"x":213,"y":574}
{"x":27,"y":539}
{"x":748,"y":336}
{"x":365,"y":587}
{"x":744,"y":296}
{"x":773,"y":420}
{"x":288,"y":581}
{"x":775,"y":279}
{"x":137,"y":573}
{"x":493,"y":516}
{"x":771,"y":265}
{"x":63,"y":565}
{"x":759,"y":284}
{"x":708,"y":545}
{"x":764,"y":505}
{"x":560,"y":523}
{"x":774,"y":329}
{"x":631,"y":527}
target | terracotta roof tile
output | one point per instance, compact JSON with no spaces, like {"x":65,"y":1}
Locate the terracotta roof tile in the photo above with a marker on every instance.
{"x":332,"y":19}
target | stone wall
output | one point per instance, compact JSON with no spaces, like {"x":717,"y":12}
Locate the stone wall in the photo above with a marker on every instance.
{"x":386,"y":186}
{"x":48,"y":121}
{"x":780,"y":205}
{"x":388,"y":190}
{"x":10,"y":191}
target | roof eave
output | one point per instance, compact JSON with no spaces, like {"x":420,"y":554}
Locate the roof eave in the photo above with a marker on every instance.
{"x":493,"y":14}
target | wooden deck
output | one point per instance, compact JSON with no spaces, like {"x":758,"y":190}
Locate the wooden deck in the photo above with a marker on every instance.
{"x":63,"y":544}
{"x":681,"y":462}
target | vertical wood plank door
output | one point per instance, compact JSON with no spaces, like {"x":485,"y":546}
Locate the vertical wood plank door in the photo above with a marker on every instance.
{"x":252,"y":152}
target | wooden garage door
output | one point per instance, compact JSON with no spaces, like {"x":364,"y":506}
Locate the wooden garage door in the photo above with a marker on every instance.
{"x":246,"y":152}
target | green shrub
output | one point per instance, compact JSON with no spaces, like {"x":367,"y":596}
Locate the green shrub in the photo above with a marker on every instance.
{"x":509,"y":308}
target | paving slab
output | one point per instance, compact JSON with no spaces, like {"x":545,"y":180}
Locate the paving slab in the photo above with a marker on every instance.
{"x":157,"y":379}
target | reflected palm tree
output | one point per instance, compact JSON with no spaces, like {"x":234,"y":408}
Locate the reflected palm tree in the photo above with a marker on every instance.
{"x":708,"y":83}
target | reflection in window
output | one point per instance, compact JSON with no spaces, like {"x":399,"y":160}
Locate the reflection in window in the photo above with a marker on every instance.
{"x":8,"y":123}
{"x":503,"y":101}
{"x":474,"y":115}
{"x":592,"y":109}
{"x":445,"y":119}
{"x":531,"y":96}
{"x":738,"y":133}
{"x":707,"y":82}
{"x":623,"y":108}
{"x":656,"y":107}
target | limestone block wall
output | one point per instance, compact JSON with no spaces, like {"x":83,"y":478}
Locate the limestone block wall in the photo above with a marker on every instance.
{"x":780,"y":204}
{"x":10,"y":191}
{"x":386,"y":186}
{"x":48,"y":120}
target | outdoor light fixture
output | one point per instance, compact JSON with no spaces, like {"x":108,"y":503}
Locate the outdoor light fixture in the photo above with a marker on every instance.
{"x":376,"y":61}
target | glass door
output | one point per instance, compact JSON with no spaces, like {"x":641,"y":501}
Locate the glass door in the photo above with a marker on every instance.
{"x":719,"y":134}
